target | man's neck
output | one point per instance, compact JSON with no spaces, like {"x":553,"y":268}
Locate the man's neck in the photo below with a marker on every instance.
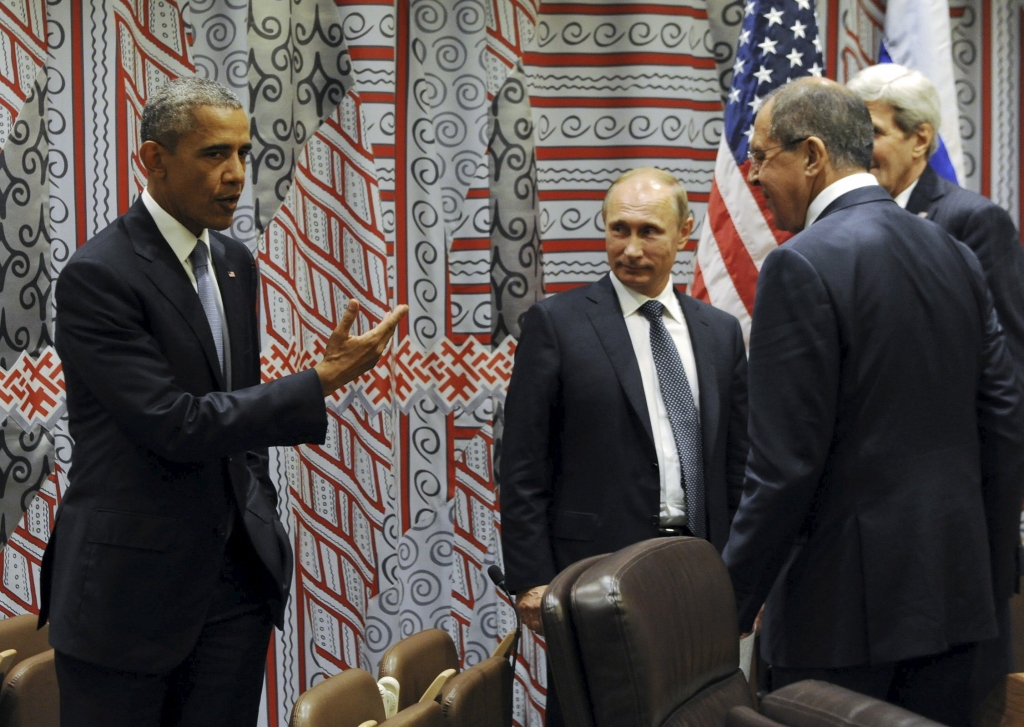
{"x":166,"y":203}
{"x":915,"y":171}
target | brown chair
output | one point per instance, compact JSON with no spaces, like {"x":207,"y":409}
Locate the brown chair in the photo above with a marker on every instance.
{"x":351,"y":699}
{"x":481,"y":696}
{"x":819,"y":704}
{"x":416,"y":661}
{"x":20,"y":633}
{"x":30,"y":697}
{"x":647,"y":637}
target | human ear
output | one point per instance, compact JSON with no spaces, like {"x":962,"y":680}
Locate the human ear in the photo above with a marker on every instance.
{"x":922,"y":140}
{"x":151,"y":154}
{"x":817,"y":155}
{"x":684,"y":233}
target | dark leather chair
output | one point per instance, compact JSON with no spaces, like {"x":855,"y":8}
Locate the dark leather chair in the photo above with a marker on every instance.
{"x":481,"y":696}
{"x":647,"y":637}
{"x":819,"y":704}
{"x":416,"y":661}
{"x":351,"y":699}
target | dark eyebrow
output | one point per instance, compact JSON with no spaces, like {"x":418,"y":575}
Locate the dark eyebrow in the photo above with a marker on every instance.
{"x":224,"y":147}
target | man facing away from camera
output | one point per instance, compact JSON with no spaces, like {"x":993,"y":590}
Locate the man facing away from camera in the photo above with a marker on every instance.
{"x":879,"y":520}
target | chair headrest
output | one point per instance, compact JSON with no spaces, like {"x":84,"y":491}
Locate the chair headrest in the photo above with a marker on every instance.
{"x":30,"y":696}
{"x":656,"y":624}
{"x":415,"y":662}
{"x":481,"y":695}
{"x":345,"y":700}
{"x":813,"y":703}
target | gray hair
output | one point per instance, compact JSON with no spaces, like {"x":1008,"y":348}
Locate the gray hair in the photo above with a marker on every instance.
{"x":813,"y":107}
{"x":682,"y":204}
{"x":913,"y":99}
{"x":169,"y":113}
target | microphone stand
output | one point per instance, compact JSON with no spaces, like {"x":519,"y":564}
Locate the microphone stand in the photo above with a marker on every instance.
{"x":497,"y":577}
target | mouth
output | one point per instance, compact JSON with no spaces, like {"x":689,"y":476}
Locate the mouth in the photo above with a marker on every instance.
{"x":230,"y":202}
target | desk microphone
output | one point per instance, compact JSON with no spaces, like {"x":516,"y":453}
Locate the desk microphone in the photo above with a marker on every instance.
{"x":497,"y":577}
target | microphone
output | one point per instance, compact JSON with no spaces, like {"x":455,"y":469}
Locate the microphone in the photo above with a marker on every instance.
{"x":497,"y":577}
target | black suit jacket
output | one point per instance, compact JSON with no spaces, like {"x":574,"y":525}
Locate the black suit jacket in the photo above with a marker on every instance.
{"x":883,"y":489}
{"x":162,"y":453}
{"x":578,"y":469}
{"x":987,"y":229}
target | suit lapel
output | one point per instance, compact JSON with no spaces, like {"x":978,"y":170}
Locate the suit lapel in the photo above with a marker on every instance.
{"x":235,"y":305}
{"x":926,"y":194}
{"x":704,"y":353}
{"x":606,"y":317}
{"x":168,"y":275}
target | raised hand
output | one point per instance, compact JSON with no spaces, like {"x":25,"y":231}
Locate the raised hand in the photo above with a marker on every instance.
{"x":347,"y":357}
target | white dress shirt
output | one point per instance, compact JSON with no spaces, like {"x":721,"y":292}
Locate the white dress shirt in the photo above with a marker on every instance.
{"x":836,"y":190}
{"x":903,"y":197}
{"x":673,"y":499}
{"x":182,"y":243}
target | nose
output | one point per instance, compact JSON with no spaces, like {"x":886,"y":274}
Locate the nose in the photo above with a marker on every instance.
{"x":752,"y":174}
{"x":634,"y":247}
{"x":234,"y":170}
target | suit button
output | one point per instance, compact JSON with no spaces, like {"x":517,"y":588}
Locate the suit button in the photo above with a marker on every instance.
{"x":220,"y":531}
{"x":655,"y":465}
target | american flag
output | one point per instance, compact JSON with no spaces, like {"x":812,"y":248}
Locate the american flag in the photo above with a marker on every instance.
{"x":778,"y":42}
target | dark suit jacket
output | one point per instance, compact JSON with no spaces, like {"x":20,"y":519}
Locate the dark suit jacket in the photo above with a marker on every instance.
{"x":578,"y":468}
{"x":162,"y":453}
{"x":987,"y":229}
{"x":883,"y":489}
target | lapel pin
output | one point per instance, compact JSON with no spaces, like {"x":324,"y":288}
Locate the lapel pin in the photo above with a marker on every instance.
{"x":231,"y":273}
{"x":923,"y":215}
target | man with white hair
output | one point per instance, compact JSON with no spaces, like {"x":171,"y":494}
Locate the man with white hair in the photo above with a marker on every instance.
{"x":905,"y":111}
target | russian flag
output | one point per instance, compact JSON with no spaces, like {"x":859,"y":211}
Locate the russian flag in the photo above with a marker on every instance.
{"x":917,"y":36}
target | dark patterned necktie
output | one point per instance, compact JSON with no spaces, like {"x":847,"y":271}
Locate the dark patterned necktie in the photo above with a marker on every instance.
{"x":682,"y":413}
{"x":200,"y":259}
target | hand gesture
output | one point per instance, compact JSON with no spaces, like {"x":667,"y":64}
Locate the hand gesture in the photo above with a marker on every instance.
{"x":347,"y":357}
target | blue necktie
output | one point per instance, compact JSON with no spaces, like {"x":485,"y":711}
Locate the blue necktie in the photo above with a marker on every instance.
{"x":682,"y":414}
{"x":200,"y":259}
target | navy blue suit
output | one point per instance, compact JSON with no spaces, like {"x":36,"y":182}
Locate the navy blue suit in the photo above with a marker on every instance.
{"x":578,"y":470}
{"x":883,"y":489}
{"x":165,"y":461}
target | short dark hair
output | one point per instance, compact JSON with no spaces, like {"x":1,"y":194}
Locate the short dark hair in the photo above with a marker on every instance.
{"x":168,"y":115}
{"x":836,"y":115}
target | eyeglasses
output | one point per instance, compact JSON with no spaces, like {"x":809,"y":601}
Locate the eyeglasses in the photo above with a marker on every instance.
{"x":758,"y":157}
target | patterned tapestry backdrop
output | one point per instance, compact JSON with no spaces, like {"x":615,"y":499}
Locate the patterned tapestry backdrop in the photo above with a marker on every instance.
{"x":448,"y":154}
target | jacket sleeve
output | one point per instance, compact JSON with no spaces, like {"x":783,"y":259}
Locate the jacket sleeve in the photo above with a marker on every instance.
{"x":104,"y":343}
{"x":527,"y":455}
{"x":794,"y":375}
{"x":1000,"y":407}
{"x":737,"y":442}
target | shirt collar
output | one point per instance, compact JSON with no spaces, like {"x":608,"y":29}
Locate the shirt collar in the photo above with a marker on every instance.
{"x":630,"y":300}
{"x":903,"y":197}
{"x":182,"y":241}
{"x":836,"y":190}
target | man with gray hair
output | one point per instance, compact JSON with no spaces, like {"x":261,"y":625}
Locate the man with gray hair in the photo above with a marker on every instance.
{"x":168,"y":564}
{"x":878,"y":524}
{"x":905,"y":112}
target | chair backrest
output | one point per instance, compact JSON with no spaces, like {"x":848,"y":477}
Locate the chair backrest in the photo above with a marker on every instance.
{"x":563,"y":645}
{"x":20,"y":633}
{"x":479,"y":696}
{"x":415,"y":662}
{"x":427,"y":714}
{"x":30,"y":697}
{"x":345,"y":700}
{"x":656,"y":637}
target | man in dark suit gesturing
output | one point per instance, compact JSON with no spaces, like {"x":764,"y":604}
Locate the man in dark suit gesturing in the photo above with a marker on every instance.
{"x":879,"y":515}
{"x":168,"y":564}
{"x":626,"y":415}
